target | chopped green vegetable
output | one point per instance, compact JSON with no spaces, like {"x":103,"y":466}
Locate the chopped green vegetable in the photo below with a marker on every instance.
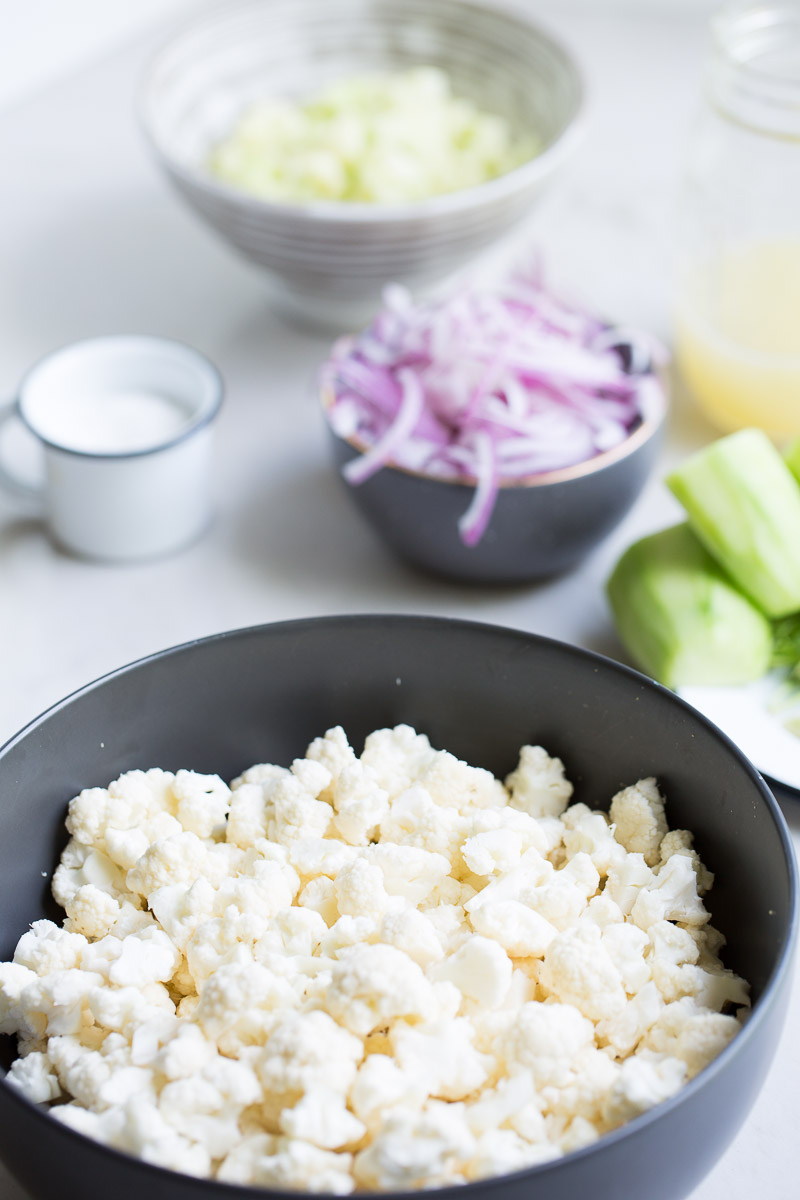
{"x":744,"y":505}
{"x":791,"y":456}
{"x":681,"y":618}
{"x":786,"y":642}
{"x":385,"y":138}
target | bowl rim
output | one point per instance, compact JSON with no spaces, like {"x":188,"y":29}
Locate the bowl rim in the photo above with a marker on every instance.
{"x":354,"y":213}
{"x":656,"y":405}
{"x":758,"y":1012}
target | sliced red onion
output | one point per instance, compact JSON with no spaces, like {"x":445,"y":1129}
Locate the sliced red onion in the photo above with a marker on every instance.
{"x":487,"y":387}
{"x":404,"y":424}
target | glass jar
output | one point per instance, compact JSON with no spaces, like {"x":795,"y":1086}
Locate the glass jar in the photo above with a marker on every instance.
{"x":737,"y":318}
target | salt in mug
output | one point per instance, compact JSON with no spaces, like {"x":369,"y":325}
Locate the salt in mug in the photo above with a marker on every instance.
{"x":125,"y":425}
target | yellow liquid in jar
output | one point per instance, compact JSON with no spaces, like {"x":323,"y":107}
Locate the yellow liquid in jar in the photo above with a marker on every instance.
{"x":737,"y":337}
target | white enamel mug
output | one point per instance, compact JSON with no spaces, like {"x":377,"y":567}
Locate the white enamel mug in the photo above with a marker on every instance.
{"x":125,"y":427}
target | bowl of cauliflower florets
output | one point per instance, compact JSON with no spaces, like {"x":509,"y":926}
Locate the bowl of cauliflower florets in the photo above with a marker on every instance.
{"x":379,"y":904}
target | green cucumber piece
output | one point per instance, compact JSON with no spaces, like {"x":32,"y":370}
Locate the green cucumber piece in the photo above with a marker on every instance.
{"x":681,"y":618}
{"x":791,"y":456}
{"x":743,"y":503}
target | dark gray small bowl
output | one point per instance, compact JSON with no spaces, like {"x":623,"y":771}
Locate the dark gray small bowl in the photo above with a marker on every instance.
{"x":542,"y":525}
{"x":261,"y":695}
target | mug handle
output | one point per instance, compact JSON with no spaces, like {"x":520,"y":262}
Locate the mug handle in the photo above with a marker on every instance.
{"x":21,"y":488}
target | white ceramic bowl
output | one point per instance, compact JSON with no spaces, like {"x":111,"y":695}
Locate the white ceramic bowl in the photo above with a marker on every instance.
{"x":328,"y":260}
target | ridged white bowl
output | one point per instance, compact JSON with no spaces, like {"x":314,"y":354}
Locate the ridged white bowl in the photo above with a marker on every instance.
{"x":329,"y":260}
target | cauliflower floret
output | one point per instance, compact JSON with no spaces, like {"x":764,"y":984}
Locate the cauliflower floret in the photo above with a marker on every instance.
{"x":360,"y":804}
{"x":380,"y":1084}
{"x":319,"y":895}
{"x":578,"y":970}
{"x":360,"y":890}
{"x":348,"y":931}
{"x":603,"y":911}
{"x":442,"y":1057}
{"x":671,"y":896}
{"x":519,"y":883}
{"x":149,"y":956}
{"x":452,"y":783}
{"x":266,"y":889}
{"x":146,"y":1134}
{"x":690,"y":1033}
{"x":248,"y":814}
{"x":545,"y":1039}
{"x":333,"y":751}
{"x":677,"y":971}
{"x":320,"y":856}
{"x":305,"y":1050}
{"x":450,"y":925}
{"x":494,"y":852}
{"x":397,"y":757}
{"x":185,"y":1053}
{"x":202,"y":802}
{"x":287,"y":1164}
{"x":314,"y":776}
{"x":625,"y":882}
{"x":259,"y":773}
{"x":480,"y":969}
{"x":580,"y":1094}
{"x":495,"y":1106}
{"x":408,"y":871}
{"x":35,"y":1077}
{"x":589,"y":832}
{"x":416,"y":1149}
{"x":578,"y":1133}
{"x":177,"y":859}
{"x":296,"y":932}
{"x":13,"y":979}
{"x":372,"y":985}
{"x":205,"y":1108}
{"x":626,"y":1029}
{"x":538,"y":785}
{"x":414,"y":820}
{"x":126,"y":846}
{"x":680,"y":841}
{"x":642,"y":1083}
{"x":292,"y":812}
{"x":180,"y":909}
{"x":47,"y":947}
{"x":637,"y":814}
{"x":414,"y":933}
{"x":322,"y":1118}
{"x":521,"y":931}
{"x":220,"y":942}
{"x":239,"y":998}
{"x":626,"y":945}
{"x":126,"y":1008}
{"x":58,"y":1003}
{"x":92,"y":912}
{"x":80,"y":865}
{"x":499,"y":1151}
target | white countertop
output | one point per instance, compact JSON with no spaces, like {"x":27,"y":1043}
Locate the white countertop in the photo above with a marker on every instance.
{"x":92,"y":242}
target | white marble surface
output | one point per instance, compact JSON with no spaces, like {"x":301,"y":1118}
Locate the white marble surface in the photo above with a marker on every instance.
{"x":92,"y":242}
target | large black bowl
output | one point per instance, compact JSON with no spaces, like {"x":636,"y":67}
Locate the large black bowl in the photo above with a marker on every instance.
{"x":224,"y":703}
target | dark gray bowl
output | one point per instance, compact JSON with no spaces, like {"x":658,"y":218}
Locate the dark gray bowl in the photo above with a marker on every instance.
{"x":224,"y":703}
{"x":541,"y":525}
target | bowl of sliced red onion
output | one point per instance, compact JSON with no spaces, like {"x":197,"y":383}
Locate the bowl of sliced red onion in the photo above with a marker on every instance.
{"x":494,"y":435}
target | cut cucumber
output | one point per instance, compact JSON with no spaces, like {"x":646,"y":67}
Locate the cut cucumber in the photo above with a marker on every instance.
{"x":743,"y":503}
{"x":681,"y":618}
{"x":791,"y":457}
